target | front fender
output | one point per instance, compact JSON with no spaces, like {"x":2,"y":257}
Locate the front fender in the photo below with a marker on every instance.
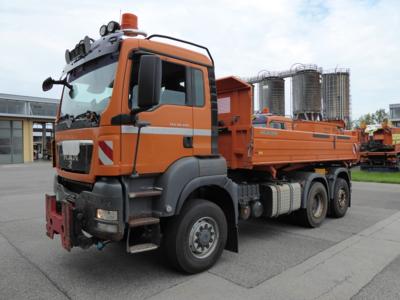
{"x":180,"y":174}
{"x":221,"y":181}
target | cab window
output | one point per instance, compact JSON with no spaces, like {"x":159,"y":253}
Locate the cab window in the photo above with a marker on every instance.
{"x":198,"y":87}
{"x":259,"y":120}
{"x":173,"y":84}
{"x":277,"y":125}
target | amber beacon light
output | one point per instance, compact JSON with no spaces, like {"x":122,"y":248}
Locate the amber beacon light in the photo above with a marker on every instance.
{"x":129,"y":21}
{"x":129,"y":25}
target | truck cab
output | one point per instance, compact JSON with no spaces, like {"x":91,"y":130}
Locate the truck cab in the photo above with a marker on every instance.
{"x":104,"y":99}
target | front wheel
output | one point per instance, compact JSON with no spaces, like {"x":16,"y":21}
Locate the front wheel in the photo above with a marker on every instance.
{"x":195,"y":239}
{"x":316,"y":206}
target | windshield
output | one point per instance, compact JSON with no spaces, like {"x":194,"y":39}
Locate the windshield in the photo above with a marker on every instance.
{"x":92,"y":86}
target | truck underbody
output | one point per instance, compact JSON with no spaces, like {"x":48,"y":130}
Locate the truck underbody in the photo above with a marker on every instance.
{"x":147,"y":207}
{"x":380,"y":161}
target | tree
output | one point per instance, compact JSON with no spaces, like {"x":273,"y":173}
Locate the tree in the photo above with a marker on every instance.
{"x":366,"y":119}
{"x":377,"y":117}
{"x":380,"y":116}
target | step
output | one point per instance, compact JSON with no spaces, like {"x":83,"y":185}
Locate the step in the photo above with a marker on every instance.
{"x":142,"y":248}
{"x":143,"y":194}
{"x":143,"y":221}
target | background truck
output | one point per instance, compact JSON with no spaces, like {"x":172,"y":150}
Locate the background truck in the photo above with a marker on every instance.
{"x":380,"y":151}
{"x":151,"y":150}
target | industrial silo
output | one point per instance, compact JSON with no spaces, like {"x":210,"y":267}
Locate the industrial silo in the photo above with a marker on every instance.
{"x":336,"y":95}
{"x":271,"y":95}
{"x":306,"y":92}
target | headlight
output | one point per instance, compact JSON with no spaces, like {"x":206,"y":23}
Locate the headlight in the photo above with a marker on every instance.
{"x":107,"y":215}
{"x":112,"y":26}
{"x":103,"y":30}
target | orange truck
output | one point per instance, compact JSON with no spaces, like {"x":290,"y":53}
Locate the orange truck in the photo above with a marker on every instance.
{"x":381,"y":150}
{"x":152,"y":151}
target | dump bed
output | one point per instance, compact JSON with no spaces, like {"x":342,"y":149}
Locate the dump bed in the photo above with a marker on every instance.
{"x":274,"y":141}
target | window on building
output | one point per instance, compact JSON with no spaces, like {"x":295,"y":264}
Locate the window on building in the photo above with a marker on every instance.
{"x":12,"y":107}
{"x":11,"y":142}
{"x":43,"y":109}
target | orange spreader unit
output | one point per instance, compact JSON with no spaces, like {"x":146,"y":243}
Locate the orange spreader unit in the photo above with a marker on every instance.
{"x":381,"y":151}
{"x":276,"y":141}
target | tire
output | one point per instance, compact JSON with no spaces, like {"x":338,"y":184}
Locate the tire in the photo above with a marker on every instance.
{"x":341,"y":199}
{"x":198,"y":220}
{"x":398,"y":163}
{"x":316,"y":206}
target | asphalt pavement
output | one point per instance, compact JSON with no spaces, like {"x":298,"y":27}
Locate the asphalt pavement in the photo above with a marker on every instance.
{"x":357,"y":256}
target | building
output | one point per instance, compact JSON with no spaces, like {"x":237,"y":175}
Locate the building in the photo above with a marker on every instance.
{"x":271,"y":94}
{"x":306,"y":93}
{"x":394,"y":112}
{"x":26,"y":127}
{"x":336,"y":95}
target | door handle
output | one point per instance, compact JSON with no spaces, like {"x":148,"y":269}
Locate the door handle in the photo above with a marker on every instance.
{"x":188,"y":141}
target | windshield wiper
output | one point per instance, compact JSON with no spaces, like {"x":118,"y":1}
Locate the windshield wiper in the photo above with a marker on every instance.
{"x":66,"y":116}
{"x":89,"y":115}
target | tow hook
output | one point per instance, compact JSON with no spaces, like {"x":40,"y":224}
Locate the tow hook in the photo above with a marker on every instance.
{"x":101,"y":245}
{"x":84,"y":242}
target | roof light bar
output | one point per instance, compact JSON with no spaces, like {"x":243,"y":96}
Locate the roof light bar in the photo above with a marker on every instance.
{"x":81,"y":49}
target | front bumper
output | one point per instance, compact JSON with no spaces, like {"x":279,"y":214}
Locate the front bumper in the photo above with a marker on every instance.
{"x":65,"y":219}
{"x":73,"y":215}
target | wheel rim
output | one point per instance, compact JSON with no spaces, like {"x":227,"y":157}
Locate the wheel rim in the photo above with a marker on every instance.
{"x":342,"y":198}
{"x":203,"y":237}
{"x":318,"y":206}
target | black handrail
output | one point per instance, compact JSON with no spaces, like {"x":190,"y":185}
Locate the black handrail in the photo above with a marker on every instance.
{"x":182,"y":41}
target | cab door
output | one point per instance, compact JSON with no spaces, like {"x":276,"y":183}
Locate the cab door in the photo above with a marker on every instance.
{"x":201,"y":111}
{"x":169,"y":136}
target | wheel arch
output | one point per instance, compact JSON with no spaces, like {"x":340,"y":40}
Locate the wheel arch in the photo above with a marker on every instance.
{"x":192,"y":176}
{"x":221,"y":191}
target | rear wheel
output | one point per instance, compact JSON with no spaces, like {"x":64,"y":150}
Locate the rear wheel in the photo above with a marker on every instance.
{"x":398,"y":163}
{"x":316,"y":206}
{"x":195,"y":239}
{"x":341,"y":199}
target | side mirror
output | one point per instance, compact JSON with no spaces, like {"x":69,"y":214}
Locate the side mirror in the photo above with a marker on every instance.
{"x":47,"y":84}
{"x":149,"y":81}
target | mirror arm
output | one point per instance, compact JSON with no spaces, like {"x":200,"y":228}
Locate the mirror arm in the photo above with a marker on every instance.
{"x":67,"y":84}
{"x":63,"y":82}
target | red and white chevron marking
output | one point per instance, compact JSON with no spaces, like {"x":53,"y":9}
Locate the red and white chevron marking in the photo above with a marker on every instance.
{"x":106,"y":153}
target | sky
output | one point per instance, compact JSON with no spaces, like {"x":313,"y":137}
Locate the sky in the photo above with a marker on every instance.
{"x":243,"y":36}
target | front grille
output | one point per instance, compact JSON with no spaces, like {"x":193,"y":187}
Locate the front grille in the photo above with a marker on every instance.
{"x":74,"y":186}
{"x":77,"y":163}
